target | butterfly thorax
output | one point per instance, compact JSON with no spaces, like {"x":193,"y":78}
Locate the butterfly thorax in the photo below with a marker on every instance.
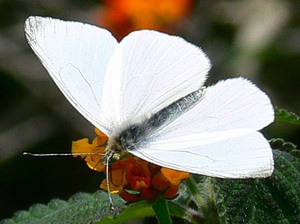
{"x":137,"y":135}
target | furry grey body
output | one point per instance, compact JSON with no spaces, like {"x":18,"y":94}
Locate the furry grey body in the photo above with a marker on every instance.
{"x":136,"y":134}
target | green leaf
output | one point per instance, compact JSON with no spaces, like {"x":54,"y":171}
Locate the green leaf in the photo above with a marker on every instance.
{"x":184,"y":212}
{"x":143,"y":209}
{"x":80,"y":208}
{"x":161,"y":209}
{"x":132,"y":211}
{"x":280,"y":144}
{"x":204,"y":198}
{"x":94,"y":208}
{"x":202,"y":191}
{"x":272,"y":200}
{"x":284,"y":115}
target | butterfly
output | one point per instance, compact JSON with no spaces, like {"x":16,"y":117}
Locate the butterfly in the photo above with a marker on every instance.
{"x":147,"y":94}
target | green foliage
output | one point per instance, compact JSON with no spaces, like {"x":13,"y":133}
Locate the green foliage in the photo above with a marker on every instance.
{"x":136,"y":210}
{"x":279,"y":143}
{"x":272,"y":200}
{"x":284,"y":115}
{"x":202,"y":192}
{"x":202,"y":200}
{"x":80,"y":208}
{"x":160,"y":207}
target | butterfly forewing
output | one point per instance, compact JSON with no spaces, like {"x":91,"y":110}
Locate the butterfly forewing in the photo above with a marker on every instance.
{"x":148,"y":71}
{"x":76,"y":56}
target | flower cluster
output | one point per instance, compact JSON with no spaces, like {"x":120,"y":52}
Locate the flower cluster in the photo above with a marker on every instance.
{"x":124,"y":16}
{"x":131,"y":177}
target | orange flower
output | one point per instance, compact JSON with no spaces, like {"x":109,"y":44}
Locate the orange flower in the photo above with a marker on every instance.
{"x":97,"y":146}
{"x":117,"y":178}
{"x":131,"y":177}
{"x":123,"y":16}
{"x":174,"y":176}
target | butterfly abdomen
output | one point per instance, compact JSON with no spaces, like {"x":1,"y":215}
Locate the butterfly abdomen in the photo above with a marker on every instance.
{"x":136,"y":135}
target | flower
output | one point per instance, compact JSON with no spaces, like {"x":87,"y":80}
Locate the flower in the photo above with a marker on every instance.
{"x":131,"y":177}
{"x":97,"y":148}
{"x":123,"y":16}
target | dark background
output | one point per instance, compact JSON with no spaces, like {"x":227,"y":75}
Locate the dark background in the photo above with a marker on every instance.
{"x":256,"y":39}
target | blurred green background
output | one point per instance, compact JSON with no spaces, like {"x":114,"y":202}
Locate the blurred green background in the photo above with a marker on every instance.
{"x":256,"y":39}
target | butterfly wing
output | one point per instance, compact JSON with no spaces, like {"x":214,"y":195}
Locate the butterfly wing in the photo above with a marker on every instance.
{"x":148,"y":71}
{"x":245,"y":156}
{"x":76,"y":56}
{"x":218,"y":137}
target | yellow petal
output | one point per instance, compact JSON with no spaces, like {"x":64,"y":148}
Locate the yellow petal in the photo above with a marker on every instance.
{"x":93,"y":161}
{"x":113,"y":189}
{"x":82,"y":146}
{"x":102,"y":138}
{"x":174,"y":176}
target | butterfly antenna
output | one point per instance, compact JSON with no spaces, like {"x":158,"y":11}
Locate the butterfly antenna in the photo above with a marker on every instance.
{"x":59,"y":154}
{"x":111,"y":204}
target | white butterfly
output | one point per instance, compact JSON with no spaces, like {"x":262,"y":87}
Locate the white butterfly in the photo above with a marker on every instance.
{"x":146,"y":94}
